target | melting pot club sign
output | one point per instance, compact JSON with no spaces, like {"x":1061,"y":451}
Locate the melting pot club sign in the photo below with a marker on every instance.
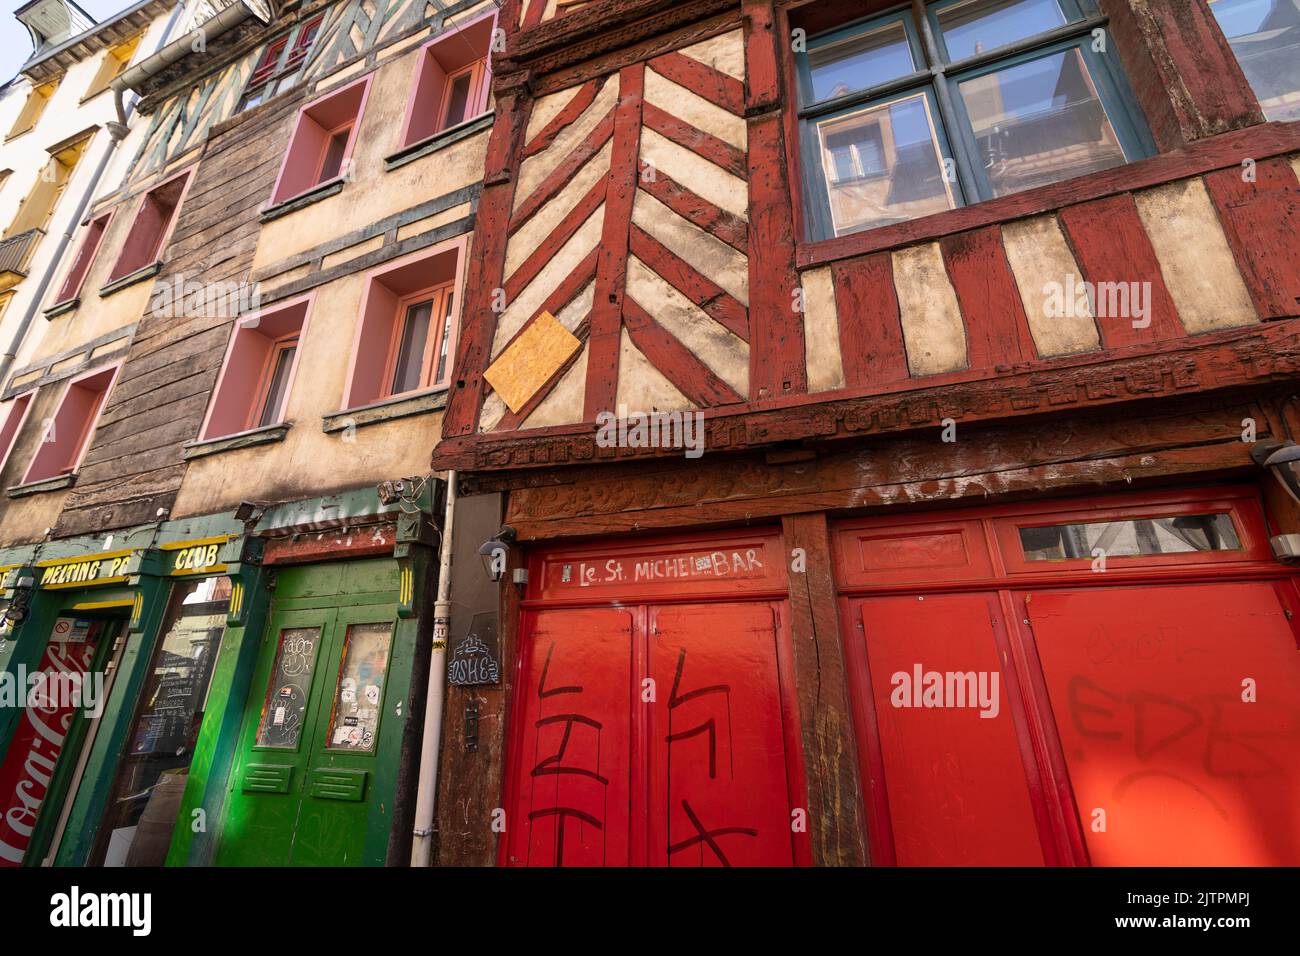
{"x":94,"y":569}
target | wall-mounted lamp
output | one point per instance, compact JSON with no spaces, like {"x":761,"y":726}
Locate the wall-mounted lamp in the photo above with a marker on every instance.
{"x":1282,"y":459}
{"x":16,"y":612}
{"x":496,"y":552}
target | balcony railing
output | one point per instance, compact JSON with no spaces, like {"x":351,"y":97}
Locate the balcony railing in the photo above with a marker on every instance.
{"x":16,"y":252}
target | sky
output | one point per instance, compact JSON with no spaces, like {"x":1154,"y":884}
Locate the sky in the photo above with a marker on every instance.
{"x":16,"y":42}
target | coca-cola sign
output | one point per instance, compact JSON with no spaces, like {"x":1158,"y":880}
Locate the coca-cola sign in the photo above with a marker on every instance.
{"x":36,"y":745}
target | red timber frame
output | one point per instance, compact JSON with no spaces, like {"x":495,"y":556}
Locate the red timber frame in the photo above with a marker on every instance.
{"x":556,"y":576}
{"x":998,"y":567}
{"x":1202,"y":129}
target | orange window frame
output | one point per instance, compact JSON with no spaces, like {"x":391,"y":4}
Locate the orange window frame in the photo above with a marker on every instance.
{"x":266,"y":378}
{"x":439,"y":318}
{"x":477,"y":73}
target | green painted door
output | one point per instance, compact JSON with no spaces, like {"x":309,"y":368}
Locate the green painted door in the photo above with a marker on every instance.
{"x":309,"y":747}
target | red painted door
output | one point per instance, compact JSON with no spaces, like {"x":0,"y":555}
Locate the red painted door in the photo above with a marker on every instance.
{"x":572,"y":782}
{"x":652,"y":735}
{"x":719,"y":767}
{"x":1171,"y":760}
{"x":956,"y":789}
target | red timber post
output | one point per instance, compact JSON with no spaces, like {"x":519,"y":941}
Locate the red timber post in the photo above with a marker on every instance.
{"x":514,"y":103}
{"x":776,"y":355}
{"x":606,"y":324}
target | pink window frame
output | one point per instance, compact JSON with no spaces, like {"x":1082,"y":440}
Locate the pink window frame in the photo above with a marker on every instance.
{"x":473,"y":99}
{"x":268,"y":366}
{"x":438,"y":320}
{"x":67,"y":295}
{"x":458,"y":244}
{"x":263,"y":391}
{"x":165,"y":235}
{"x":481,"y":91}
{"x":88,"y":429}
{"x":28,"y":398}
{"x":291,"y":160}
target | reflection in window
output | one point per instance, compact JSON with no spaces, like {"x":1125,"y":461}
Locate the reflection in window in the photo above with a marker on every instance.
{"x":860,"y":61}
{"x":289,"y":687}
{"x":1040,"y":122}
{"x":1008,"y":95}
{"x":1265,"y":36}
{"x":978,"y":26}
{"x":359,"y":693}
{"x":883,"y":164}
{"x":1129,"y":538}
{"x":142,"y":806}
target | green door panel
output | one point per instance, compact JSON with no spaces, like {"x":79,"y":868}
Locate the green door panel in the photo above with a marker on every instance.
{"x":308,"y":765}
{"x":269,"y":773}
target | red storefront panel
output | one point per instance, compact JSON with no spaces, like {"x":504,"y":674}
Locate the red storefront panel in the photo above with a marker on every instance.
{"x":1123,"y":667}
{"x":956,"y":789}
{"x":719,"y":778}
{"x":572,"y":788}
{"x":657,"y":724}
{"x":1146,"y":684}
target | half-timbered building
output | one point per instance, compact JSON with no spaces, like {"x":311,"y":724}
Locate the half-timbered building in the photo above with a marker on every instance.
{"x":981,"y":308}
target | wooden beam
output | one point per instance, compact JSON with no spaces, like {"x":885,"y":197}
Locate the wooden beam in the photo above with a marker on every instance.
{"x":611,"y":265}
{"x":711,"y":298}
{"x":830,"y":760}
{"x":1261,"y":219}
{"x":1111,"y":245}
{"x":997,"y":331}
{"x":871,"y":332}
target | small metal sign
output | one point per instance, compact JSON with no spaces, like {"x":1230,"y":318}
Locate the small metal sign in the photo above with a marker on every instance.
{"x":474,"y":660}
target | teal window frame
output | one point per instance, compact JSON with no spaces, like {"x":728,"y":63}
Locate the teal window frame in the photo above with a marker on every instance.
{"x":938,"y":77}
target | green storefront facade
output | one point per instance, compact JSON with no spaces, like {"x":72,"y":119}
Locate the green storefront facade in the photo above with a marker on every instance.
{"x":262,"y":688}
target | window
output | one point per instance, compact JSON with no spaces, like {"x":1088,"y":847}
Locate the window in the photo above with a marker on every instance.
{"x":68,"y":432}
{"x":277,"y":67}
{"x":322,"y":141}
{"x":13,"y":423}
{"x":1265,"y":36}
{"x":1011,"y":97}
{"x":253,"y":388}
{"x":1130,"y":537}
{"x":37,"y":100}
{"x":153,"y":222}
{"x":452,"y":81}
{"x":38,"y":208}
{"x":71,"y":287}
{"x":406,"y":337}
{"x":116,"y":59}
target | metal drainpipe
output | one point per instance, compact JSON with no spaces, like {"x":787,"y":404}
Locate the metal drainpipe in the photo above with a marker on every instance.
{"x":118,"y":133}
{"x":427,"y":792}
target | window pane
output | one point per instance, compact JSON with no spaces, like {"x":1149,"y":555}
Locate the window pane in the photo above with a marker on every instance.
{"x":286,"y":694}
{"x":446,"y":339}
{"x":1040,"y":122}
{"x":273,"y":406}
{"x":882,"y":165}
{"x":152,"y":773}
{"x":979,"y":25}
{"x":1131,"y":537}
{"x":334,"y":150}
{"x":457,"y":100}
{"x":410,"y":350}
{"x":858,"y":62}
{"x":1265,"y":36}
{"x":360,"y":689}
